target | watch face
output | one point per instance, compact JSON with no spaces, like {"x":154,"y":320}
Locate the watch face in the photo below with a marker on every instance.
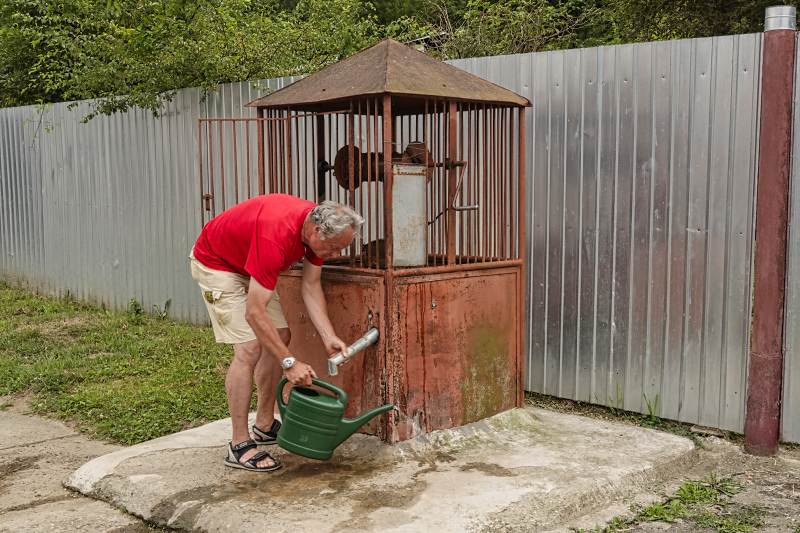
{"x":287,"y":362}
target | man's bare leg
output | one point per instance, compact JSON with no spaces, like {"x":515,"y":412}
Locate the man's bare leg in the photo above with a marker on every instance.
{"x":268,"y":373}
{"x":239,"y":387}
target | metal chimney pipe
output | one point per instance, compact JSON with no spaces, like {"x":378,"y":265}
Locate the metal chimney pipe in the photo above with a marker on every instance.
{"x":765,"y":362}
{"x":780,"y":18}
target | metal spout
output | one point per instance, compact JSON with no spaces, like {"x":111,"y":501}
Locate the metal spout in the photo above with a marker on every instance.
{"x":369,"y":338}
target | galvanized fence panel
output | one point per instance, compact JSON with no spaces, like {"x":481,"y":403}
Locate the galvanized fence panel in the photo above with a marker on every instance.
{"x":642,"y":169}
{"x":641,"y":163}
{"x":790,"y":416}
{"x":107,"y":211}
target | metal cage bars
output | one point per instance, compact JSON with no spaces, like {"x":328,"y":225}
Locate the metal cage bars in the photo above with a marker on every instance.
{"x":471,"y":152}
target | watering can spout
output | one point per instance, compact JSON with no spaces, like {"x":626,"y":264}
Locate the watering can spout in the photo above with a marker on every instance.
{"x":350,"y":426}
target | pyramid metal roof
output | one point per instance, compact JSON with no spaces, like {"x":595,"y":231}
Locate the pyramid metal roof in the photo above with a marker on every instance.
{"x":388,"y":67}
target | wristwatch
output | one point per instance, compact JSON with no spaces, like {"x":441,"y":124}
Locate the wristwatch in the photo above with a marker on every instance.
{"x":288,"y":362}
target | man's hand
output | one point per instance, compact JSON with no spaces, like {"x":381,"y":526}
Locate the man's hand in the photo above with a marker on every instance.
{"x":334,"y":345}
{"x":300,"y":374}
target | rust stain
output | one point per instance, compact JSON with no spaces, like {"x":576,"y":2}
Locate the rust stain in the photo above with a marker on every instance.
{"x":486,"y":380}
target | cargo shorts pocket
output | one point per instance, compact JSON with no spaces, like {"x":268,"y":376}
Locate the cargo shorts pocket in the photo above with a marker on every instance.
{"x":219,"y":303}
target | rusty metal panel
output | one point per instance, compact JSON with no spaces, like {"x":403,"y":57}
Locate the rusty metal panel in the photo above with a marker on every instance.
{"x":355,"y":303}
{"x":457,"y":352}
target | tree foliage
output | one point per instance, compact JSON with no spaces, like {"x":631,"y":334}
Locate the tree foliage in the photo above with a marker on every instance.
{"x":487,"y":27}
{"x":138,"y":52}
{"x":645,"y":20}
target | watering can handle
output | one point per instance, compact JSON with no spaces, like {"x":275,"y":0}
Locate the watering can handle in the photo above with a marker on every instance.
{"x":279,"y":396}
{"x":342,"y":395}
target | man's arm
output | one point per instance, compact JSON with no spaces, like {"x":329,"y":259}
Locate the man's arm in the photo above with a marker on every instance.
{"x":258,"y":297}
{"x":314,"y":298}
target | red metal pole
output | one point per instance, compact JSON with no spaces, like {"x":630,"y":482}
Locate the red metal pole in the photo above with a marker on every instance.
{"x":260,"y":136}
{"x":322,"y":190}
{"x":391,"y":374}
{"x":351,"y":201}
{"x":287,"y":144}
{"x":452,"y":177}
{"x":764,"y":380}
{"x":521,"y":253}
{"x":387,"y":180}
{"x":211,"y":171}
{"x":203,"y":199}
{"x":235,"y":166}
{"x":247,"y":155}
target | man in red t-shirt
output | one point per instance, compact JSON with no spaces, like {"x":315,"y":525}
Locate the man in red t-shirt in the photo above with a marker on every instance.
{"x":236,"y":260}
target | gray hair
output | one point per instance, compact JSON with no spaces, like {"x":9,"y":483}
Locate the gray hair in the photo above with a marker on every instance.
{"x":333,"y":219}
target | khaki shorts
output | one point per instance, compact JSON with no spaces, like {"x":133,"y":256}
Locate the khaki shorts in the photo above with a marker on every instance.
{"x":225,"y":295}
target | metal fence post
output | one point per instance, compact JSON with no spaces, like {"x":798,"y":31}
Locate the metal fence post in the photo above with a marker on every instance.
{"x":765,"y":364}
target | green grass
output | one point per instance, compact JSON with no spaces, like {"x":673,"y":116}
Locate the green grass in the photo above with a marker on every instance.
{"x":742,"y":519}
{"x":122,"y":376}
{"x":706,"y":503}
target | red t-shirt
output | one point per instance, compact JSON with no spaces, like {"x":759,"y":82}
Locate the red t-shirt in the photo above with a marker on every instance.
{"x":260,"y":237}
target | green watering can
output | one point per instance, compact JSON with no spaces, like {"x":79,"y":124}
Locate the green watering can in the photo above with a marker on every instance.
{"x":313,"y":424}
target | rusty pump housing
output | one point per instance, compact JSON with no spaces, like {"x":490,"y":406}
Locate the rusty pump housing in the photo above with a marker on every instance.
{"x":434,"y":160}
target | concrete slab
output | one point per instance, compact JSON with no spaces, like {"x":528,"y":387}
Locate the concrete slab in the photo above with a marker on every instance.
{"x":69,"y":516}
{"x":29,"y":429}
{"x":524,"y":470}
{"x":36,"y":456}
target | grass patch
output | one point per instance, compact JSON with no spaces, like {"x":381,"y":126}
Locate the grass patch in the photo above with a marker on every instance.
{"x":122,"y":376}
{"x":742,"y":519}
{"x":705,"y":503}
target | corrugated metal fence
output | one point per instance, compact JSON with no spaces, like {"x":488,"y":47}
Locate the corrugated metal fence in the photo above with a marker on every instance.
{"x":108,"y":210}
{"x":641,"y":170}
{"x":642,"y":173}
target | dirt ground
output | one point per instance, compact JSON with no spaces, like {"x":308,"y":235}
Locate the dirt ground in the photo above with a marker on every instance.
{"x":764,"y":495}
{"x":769,"y":490}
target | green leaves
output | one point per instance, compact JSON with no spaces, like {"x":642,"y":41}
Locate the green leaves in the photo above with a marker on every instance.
{"x":138,"y":52}
{"x":645,"y":20}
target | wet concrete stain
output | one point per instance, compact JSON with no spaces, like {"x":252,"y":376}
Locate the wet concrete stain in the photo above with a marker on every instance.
{"x":164,"y":510}
{"x":289,"y":486}
{"x":489,"y":469}
{"x":18,"y":465}
{"x":134,"y":528}
{"x":396,"y":497}
{"x":13,"y":466}
{"x":299,"y":483}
